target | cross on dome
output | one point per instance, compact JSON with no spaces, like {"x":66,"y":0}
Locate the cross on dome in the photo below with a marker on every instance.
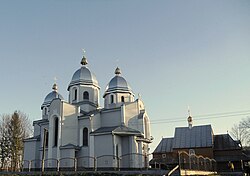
{"x":84,"y":59}
{"x":118,"y":71}
{"x":55,"y":88}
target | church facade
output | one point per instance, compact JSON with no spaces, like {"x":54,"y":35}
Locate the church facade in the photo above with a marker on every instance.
{"x":81,"y":130}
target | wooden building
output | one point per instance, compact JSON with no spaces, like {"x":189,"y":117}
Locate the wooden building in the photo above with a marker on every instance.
{"x":199,"y":141}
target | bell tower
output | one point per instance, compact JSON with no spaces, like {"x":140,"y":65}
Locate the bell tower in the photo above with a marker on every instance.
{"x":83,"y":88}
{"x":118,"y":91}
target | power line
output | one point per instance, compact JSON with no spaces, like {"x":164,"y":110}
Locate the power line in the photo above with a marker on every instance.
{"x":204,"y":117}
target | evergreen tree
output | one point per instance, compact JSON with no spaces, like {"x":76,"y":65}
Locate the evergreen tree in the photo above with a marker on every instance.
{"x":4,"y":141}
{"x":14,"y":129}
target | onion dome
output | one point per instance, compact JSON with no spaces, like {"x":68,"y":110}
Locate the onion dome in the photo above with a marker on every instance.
{"x":83,"y":75}
{"x":118,"y":84}
{"x":51,"y":96}
{"x":189,"y":119}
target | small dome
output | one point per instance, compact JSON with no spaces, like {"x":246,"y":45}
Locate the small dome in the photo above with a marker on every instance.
{"x":118,"y":83}
{"x":51,"y":96}
{"x":83,"y":76}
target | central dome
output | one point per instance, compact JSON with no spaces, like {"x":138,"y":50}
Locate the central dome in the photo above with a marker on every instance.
{"x":83,"y":76}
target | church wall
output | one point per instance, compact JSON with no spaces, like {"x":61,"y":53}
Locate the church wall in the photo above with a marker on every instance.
{"x":117,"y":101}
{"x":89,"y":89}
{"x":36,"y":130}
{"x":125,"y":151}
{"x":117,"y":146}
{"x":42,"y":133}
{"x":104,"y":153}
{"x":82,"y":123}
{"x":67,"y":156}
{"x":30,"y":150}
{"x":99,"y":147}
{"x":84,"y":151}
{"x":133,"y":148}
{"x":96,"y":122}
{"x":69,"y":122}
{"x":54,"y":152}
{"x":55,"y":112}
{"x":125,"y":145}
{"x":111,"y":118}
{"x":131,"y":116}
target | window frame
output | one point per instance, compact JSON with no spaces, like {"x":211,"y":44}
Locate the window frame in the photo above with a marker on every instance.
{"x":85,"y":137}
{"x":85,"y":95}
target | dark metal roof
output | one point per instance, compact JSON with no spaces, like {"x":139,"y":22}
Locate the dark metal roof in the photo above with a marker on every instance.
{"x":165,"y":146}
{"x":185,"y":137}
{"x":225,"y":142}
{"x":195,"y":137}
{"x":120,"y":130}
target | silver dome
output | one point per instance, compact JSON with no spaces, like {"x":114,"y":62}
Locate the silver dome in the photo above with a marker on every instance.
{"x":51,"y":96}
{"x":118,"y":83}
{"x":83,"y":76}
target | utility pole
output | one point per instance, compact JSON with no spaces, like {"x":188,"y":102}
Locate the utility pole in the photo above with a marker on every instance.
{"x":44,"y":145}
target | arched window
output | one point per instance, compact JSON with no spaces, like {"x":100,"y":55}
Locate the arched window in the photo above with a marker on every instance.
{"x":47,"y":138}
{"x":122,"y":99}
{"x":112,"y":98}
{"x":85,"y":137}
{"x":85,"y":95}
{"x":56,"y":132}
{"x":75,"y":94}
{"x":45,"y":111}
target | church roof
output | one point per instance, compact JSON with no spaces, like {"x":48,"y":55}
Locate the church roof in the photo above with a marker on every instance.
{"x":119,"y":130}
{"x":117,"y":83}
{"x":225,"y":142}
{"x":195,"y":137}
{"x":51,"y":96}
{"x":83,"y":76}
{"x":165,"y":146}
{"x":185,"y":137}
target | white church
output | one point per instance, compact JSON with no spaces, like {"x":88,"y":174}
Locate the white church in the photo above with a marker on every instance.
{"x":81,"y":132}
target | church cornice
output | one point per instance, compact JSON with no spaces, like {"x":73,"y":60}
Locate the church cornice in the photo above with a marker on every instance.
{"x":104,"y":110}
{"x":83,"y":82}
{"x":85,"y":102}
{"x":42,"y":121}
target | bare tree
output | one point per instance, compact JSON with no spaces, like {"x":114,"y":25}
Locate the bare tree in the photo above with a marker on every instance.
{"x":241,"y":131}
{"x":238,"y":133}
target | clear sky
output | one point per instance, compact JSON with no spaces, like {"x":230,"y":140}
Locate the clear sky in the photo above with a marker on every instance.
{"x":174,"y":53}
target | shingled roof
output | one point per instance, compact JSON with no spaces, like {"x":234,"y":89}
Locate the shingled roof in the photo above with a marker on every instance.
{"x":185,"y":137}
{"x":225,"y":142}
{"x":195,"y":137}
{"x":166,"y":145}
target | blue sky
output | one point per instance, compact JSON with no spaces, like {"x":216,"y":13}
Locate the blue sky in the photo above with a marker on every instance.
{"x":174,"y":53}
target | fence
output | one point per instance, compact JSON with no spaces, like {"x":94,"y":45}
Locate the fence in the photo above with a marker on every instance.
{"x":104,"y":162}
{"x":194,"y":162}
